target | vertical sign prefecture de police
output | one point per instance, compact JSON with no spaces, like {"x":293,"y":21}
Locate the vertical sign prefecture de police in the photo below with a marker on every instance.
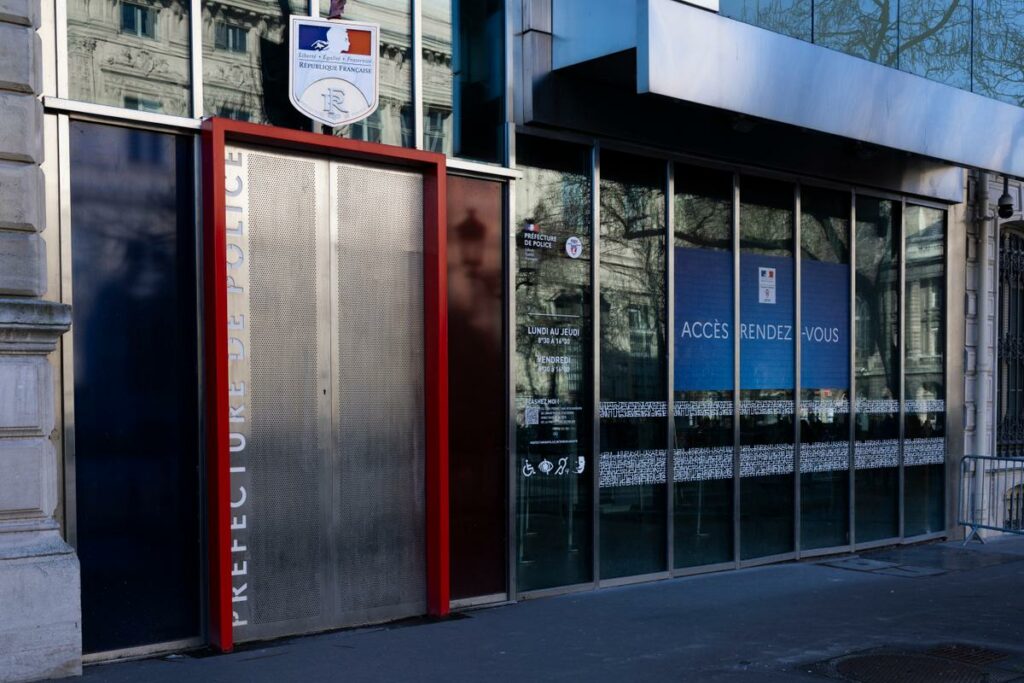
{"x":332,"y":71}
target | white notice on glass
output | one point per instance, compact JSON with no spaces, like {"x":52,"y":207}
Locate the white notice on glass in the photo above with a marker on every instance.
{"x":766,"y":285}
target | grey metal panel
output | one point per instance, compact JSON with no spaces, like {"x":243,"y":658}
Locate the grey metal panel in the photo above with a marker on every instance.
{"x":697,"y":56}
{"x":285,"y":451}
{"x":583,"y":32}
{"x":689,"y":54}
{"x":379,"y":419}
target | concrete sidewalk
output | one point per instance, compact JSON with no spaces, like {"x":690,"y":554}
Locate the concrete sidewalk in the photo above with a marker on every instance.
{"x":772,"y":623}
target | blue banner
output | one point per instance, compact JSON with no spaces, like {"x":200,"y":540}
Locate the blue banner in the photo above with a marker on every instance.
{"x":825,"y":312}
{"x":767,"y":332}
{"x":704,"y":326}
{"x":704,"y":329}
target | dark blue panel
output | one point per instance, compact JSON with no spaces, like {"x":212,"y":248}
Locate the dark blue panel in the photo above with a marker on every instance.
{"x":704,"y":327}
{"x":825,"y":325}
{"x":136,"y":408}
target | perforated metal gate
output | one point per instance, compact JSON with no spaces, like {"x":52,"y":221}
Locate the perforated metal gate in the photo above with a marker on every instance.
{"x":325,"y":318}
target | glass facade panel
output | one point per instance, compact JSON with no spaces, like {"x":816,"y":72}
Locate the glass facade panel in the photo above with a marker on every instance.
{"x":463,"y":86}
{"x":924,"y":443}
{"x":553,"y":365}
{"x":998,"y":47}
{"x":704,"y":374}
{"x":476,"y":388}
{"x":249,"y":84}
{"x":824,"y":368}
{"x":863,"y":28}
{"x":974,"y":45}
{"x":935,"y":40}
{"x":877,"y":366}
{"x":130,"y":54}
{"x":137,"y":493}
{"x":393,"y":124}
{"x":767,"y":353}
{"x":791,"y":17}
{"x":634,"y":432}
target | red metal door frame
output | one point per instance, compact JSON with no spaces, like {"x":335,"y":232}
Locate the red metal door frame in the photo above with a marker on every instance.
{"x":216,"y":134}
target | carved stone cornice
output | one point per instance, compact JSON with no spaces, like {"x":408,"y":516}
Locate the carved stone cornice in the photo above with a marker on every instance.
{"x":32,"y":325}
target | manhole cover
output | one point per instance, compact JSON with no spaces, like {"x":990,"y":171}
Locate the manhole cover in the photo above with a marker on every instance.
{"x":968,"y":654}
{"x":904,"y":668}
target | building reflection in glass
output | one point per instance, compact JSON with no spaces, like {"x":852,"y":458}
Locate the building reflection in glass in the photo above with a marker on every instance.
{"x":767,"y":373}
{"x":553,"y":365}
{"x":924,"y":443}
{"x":825,"y":368}
{"x":703,"y":376}
{"x":877,"y":366}
{"x":130,"y":54}
{"x":633,"y":366}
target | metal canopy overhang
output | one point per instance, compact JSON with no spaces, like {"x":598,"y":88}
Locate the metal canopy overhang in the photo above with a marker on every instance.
{"x":693,"y":55}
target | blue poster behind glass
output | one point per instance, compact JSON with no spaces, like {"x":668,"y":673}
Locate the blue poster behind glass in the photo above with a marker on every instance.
{"x":704,"y":327}
{"x":767,"y":331}
{"x":825,"y":313}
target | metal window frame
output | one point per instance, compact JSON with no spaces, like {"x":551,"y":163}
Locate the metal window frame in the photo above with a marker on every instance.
{"x":797,"y":348}
{"x":670,"y":360}
{"x":506,"y":179}
{"x":62,"y":101}
{"x":947,"y":358}
{"x":803,"y":553}
{"x":595,"y":361}
{"x":61,"y":279}
{"x":216,"y":134}
{"x":852,"y":356}
{"x":898,"y":200}
{"x":799,"y":183}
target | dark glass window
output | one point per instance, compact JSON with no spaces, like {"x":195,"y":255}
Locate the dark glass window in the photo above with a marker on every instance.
{"x":935,"y":40}
{"x":142,"y":104}
{"x":767,"y":376}
{"x":230,"y":37}
{"x":877,"y":366}
{"x":824,"y":368}
{"x":138,"y":20}
{"x":791,"y":17}
{"x":704,"y":375}
{"x":368,"y":129}
{"x":924,"y":443}
{"x":463,"y":77}
{"x":136,"y":385}
{"x":476,"y":371}
{"x":553,"y":365}
{"x":634,"y":433}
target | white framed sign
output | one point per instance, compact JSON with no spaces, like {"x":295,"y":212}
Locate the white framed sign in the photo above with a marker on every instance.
{"x":333,"y":74}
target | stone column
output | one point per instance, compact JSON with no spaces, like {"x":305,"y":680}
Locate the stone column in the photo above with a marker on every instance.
{"x":40,"y":609}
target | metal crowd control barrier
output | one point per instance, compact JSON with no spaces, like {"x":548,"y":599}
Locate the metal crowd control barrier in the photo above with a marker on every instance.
{"x":991,"y":495}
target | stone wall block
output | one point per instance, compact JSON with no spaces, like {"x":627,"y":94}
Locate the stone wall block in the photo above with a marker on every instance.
{"x":22,"y":264}
{"x":40,"y":615}
{"x":21,"y":127}
{"x":24,"y":12}
{"x":27,"y":464}
{"x":20,"y":52}
{"x":21,"y":196}
{"x":25,"y":410}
